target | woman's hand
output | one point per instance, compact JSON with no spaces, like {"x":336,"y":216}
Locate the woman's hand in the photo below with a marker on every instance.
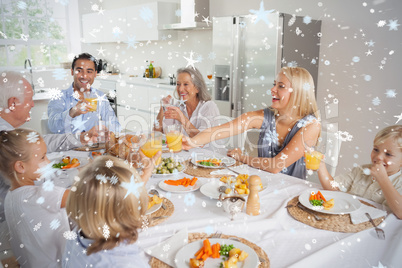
{"x":173,"y":112}
{"x":236,"y":154}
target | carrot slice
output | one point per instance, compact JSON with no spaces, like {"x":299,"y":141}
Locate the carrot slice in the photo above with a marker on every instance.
{"x":207,"y":246}
{"x":70,"y":166}
{"x":193,"y":181}
{"x":200,"y":254}
{"x":187,"y":183}
{"x":321,"y":196}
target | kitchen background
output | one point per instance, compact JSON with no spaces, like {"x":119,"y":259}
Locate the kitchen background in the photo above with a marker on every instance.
{"x":359,"y":82}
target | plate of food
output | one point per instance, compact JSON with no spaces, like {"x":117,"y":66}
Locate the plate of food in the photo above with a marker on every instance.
{"x":95,"y":154}
{"x":168,"y":167}
{"x":214,"y":162}
{"x":228,"y":251}
{"x":181,"y":185}
{"x":154,"y":204}
{"x":210,"y":189}
{"x":330,"y":202}
{"x":69,"y":162}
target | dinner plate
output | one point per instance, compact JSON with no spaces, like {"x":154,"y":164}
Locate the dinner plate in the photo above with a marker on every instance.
{"x":153,"y":209}
{"x":227,"y":160}
{"x":185,"y":253}
{"x":179,"y":188}
{"x":344,"y":203}
{"x":210,"y":189}
{"x":83,"y":161}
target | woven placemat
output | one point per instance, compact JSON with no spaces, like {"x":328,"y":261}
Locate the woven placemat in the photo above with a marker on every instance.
{"x":161,"y":212}
{"x":334,"y":222}
{"x":90,"y":148}
{"x":194,"y":170}
{"x":156,"y":263}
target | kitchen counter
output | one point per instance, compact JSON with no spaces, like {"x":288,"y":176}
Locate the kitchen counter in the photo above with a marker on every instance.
{"x":127,"y":79}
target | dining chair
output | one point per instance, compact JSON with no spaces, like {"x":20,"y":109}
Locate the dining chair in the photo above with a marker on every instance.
{"x":44,"y":126}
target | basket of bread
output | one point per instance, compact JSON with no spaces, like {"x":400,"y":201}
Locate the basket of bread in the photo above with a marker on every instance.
{"x":121,"y":145}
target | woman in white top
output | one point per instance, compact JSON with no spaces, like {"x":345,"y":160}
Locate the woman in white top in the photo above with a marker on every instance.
{"x":196,"y":111}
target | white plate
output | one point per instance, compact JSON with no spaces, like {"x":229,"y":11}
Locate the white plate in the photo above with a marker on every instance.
{"x":153,"y":209}
{"x":210,"y":189}
{"x":185,"y":253}
{"x":83,"y":161}
{"x":179,"y":188}
{"x":344,"y":203}
{"x":227,"y":160}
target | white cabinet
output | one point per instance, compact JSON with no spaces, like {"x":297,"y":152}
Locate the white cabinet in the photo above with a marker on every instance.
{"x":129,"y":24}
{"x":133,"y":120}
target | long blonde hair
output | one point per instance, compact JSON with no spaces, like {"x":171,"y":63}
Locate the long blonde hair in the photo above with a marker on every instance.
{"x":302,"y":101}
{"x":15,"y":146}
{"x":103,"y":208}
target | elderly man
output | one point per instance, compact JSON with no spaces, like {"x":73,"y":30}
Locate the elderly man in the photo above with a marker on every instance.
{"x":15,"y":106}
{"x":73,"y":112}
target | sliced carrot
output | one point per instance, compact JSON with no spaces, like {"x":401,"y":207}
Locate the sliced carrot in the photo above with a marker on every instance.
{"x":200,"y":254}
{"x":312,"y":196}
{"x":215,"y":251}
{"x":205,"y":257}
{"x":207,"y":247}
{"x":193,"y":181}
{"x":187,"y":183}
{"x":321,"y":196}
{"x":71,"y":165}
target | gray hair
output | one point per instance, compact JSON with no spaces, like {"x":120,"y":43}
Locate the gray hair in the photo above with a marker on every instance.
{"x":11,"y":85}
{"x":198,"y":81}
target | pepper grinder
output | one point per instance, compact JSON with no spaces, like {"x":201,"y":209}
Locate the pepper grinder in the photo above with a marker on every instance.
{"x":253,"y":201}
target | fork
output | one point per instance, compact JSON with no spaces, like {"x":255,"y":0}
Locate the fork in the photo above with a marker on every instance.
{"x":316,"y":217}
{"x":217,"y":234}
{"x":228,"y":168}
{"x":238,"y":240}
{"x":380,"y":232}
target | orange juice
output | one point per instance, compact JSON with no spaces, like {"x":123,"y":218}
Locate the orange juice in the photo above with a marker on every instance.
{"x":173,"y":140}
{"x":94,"y":104}
{"x":151,"y":147}
{"x":312,"y":159}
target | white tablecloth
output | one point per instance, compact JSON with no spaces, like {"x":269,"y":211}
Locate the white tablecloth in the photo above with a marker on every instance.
{"x":286,"y":241}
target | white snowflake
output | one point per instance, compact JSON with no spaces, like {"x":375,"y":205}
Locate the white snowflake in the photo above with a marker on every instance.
{"x":306,"y":86}
{"x":33,"y":137}
{"x":393,"y":25}
{"x":101,"y":178}
{"x":211,"y":55}
{"x":132,"y":187}
{"x":292,"y":64}
{"x":22,"y":5}
{"x":145,"y":222}
{"x":112,"y":94}
{"x":334,"y":184}
{"x":343,"y":136}
{"x":54,"y":224}
{"x":109,"y":163}
{"x":292,"y":20}
{"x":284,"y":156}
{"x":146,"y":14}
{"x":376,"y":101}
{"x":114,"y":179}
{"x":76,"y":95}
{"x":55,"y":93}
{"x":37,"y":226}
{"x":381,"y":23}
{"x":307,"y":20}
{"x":40,"y":200}
{"x":261,"y":14}
{"x":219,"y":204}
{"x":236,"y":209}
{"x":70,"y":235}
{"x":190,"y":61}
{"x":48,"y":186}
{"x":95,"y":7}
{"x":380,"y":265}
{"x":166,"y":247}
{"x":390,"y":93}
{"x":106,"y":231}
{"x":399,"y":117}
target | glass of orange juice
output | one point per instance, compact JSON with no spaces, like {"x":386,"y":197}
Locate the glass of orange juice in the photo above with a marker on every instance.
{"x":312,"y":158}
{"x":174,"y":135}
{"x":152,"y":145}
{"x":92,"y":100}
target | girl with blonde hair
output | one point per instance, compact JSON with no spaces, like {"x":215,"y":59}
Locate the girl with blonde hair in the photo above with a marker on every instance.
{"x":280,"y":146}
{"x":107,"y":203}
{"x":35,"y":214}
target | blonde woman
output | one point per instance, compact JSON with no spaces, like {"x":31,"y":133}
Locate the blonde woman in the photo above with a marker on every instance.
{"x":280,"y":146}
{"x":381,"y":181}
{"x":107,"y":205}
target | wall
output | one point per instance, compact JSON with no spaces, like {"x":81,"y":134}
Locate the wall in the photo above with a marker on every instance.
{"x":349,"y":74}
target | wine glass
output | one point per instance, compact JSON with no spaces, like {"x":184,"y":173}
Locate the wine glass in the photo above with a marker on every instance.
{"x":209,"y":73}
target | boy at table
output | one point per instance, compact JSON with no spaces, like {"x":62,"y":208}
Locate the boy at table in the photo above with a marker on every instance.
{"x":380,"y":181}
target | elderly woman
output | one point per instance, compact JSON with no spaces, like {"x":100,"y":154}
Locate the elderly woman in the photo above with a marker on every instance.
{"x":195,"y":111}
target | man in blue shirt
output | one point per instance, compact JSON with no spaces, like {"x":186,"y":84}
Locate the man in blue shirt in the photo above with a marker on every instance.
{"x":71,"y":113}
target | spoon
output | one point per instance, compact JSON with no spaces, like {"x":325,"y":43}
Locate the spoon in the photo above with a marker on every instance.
{"x":222,"y":189}
{"x":155,"y":192}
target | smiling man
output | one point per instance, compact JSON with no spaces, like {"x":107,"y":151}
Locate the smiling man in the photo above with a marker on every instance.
{"x":73,"y":112}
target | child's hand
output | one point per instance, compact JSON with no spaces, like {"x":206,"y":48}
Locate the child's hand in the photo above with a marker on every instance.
{"x":378,"y":171}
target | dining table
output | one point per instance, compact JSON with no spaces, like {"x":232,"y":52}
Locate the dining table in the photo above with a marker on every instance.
{"x":287,"y":242}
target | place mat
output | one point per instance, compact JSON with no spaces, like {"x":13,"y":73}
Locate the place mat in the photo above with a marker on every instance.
{"x":156,"y":263}
{"x":197,"y":171}
{"x":88,"y":148}
{"x":160,"y":212}
{"x":334,"y":222}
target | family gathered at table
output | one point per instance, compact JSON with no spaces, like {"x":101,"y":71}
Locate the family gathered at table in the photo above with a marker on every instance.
{"x":105,"y":212}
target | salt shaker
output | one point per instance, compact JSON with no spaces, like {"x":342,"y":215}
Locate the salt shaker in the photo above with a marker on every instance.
{"x":253,"y":201}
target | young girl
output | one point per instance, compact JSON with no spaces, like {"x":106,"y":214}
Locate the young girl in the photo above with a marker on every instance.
{"x":381,"y":181}
{"x":35,"y":215}
{"x":280,"y":146}
{"x":107,"y":205}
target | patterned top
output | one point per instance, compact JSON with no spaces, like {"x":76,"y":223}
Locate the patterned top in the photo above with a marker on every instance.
{"x":268,"y":142}
{"x":358,"y":183}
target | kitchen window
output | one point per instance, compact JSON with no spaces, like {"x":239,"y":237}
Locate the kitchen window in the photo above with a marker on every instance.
{"x":34,"y":29}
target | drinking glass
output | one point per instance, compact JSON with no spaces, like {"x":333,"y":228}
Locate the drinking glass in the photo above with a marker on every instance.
{"x":166,"y":102}
{"x":137,"y":141}
{"x":174,"y":135}
{"x":92,"y":99}
{"x":152,"y":145}
{"x":209,"y":74}
{"x":312,"y":153}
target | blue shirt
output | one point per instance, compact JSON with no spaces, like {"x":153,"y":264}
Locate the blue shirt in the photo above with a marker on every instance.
{"x":122,"y":256}
{"x":60,"y":120}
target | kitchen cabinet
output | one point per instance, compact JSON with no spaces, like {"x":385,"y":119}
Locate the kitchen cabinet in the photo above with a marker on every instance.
{"x":133,"y":23}
{"x":132,"y":119}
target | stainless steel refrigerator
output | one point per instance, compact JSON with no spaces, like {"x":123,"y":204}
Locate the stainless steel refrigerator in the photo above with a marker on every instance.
{"x":249,"y":53}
